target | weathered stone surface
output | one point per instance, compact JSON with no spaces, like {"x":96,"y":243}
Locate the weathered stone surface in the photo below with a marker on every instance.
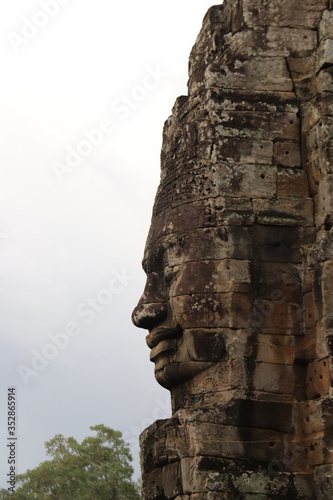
{"x":274,"y":317}
{"x":325,"y":26}
{"x":324,"y":482}
{"x":284,"y":211}
{"x":278,"y":349}
{"x":280,"y":282}
{"x":230,"y":310}
{"x":239,"y":261}
{"x":292,"y":183}
{"x":235,"y":273}
{"x":318,"y":379}
{"x":270,"y":42}
{"x":280,"y":13}
{"x":287,"y":154}
{"x":252,"y":74}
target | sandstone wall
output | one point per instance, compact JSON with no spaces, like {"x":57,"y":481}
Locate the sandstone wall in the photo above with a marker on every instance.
{"x":247,"y":156}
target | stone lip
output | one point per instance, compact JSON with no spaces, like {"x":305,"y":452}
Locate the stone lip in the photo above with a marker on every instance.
{"x":162,"y":346}
{"x":158,"y":335}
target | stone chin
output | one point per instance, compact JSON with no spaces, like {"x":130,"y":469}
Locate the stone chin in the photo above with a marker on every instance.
{"x":174,"y":374}
{"x":180,"y":359}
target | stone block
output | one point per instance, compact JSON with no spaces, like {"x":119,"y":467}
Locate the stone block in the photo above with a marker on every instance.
{"x":323,"y":339}
{"x":277,"y":244}
{"x":196,"y":181}
{"x":220,"y":243}
{"x":243,"y":412}
{"x":172,"y":480}
{"x":315,"y":450}
{"x":233,"y":211}
{"x":323,"y":476}
{"x":284,"y":211}
{"x":324,"y":85}
{"x":213,"y":476}
{"x":306,"y":347}
{"x":276,"y":415}
{"x":213,"y":23}
{"x":256,"y":74}
{"x":278,"y":13}
{"x":318,"y":379}
{"x":201,"y":390}
{"x":269,"y":42}
{"x":321,"y":133}
{"x":193,"y":478}
{"x":303,"y":484}
{"x":152,"y":487}
{"x":217,"y":101}
{"x":311,"y":116}
{"x":279,"y":349}
{"x":312,"y":310}
{"x":324,"y":101}
{"x":287,"y":154}
{"x":225,"y":375}
{"x":259,"y":125}
{"x":322,"y":159}
{"x":189,"y":217}
{"x":234,"y":180}
{"x":283,"y":318}
{"x":230,"y":310}
{"x":246,"y":180}
{"x":315,"y":416}
{"x":324,"y":202}
{"x":237,"y":151}
{"x":176,"y":442}
{"x":274,"y":378}
{"x":239,"y":343}
{"x":205,"y":345}
{"x":325,"y":53}
{"x":234,"y":442}
{"x":327,"y":295}
{"x":292,"y":183}
{"x":324,"y":250}
{"x":308,"y":275}
{"x":325,"y":27}
{"x":278,"y":281}
{"x":301,"y":68}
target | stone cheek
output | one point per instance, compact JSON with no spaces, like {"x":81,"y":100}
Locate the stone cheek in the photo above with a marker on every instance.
{"x":239,"y":261}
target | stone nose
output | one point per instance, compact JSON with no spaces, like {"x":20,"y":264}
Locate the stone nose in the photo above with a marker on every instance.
{"x":148,"y":316}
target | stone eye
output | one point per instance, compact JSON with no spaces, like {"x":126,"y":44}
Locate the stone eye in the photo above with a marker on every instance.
{"x":169,"y":275}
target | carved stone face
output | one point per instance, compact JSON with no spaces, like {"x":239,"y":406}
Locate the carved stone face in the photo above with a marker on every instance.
{"x":195,"y":290}
{"x":220,"y":230}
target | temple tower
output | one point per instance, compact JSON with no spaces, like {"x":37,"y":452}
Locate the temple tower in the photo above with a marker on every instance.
{"x":239,"y":261}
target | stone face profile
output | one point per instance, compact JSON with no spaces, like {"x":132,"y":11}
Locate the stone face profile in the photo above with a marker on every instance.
{"x":238,"y":302}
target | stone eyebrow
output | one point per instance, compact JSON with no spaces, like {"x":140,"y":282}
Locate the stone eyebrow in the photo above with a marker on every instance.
{"x":158,"y":252}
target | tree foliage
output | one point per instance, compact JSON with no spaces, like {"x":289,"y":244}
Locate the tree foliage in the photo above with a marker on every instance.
{"x":98,"y":468}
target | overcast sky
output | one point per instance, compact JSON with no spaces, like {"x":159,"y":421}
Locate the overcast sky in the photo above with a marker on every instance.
{"x":85,"y":88}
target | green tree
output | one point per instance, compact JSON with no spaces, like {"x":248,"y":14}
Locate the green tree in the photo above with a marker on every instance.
{"x":96,"y":469}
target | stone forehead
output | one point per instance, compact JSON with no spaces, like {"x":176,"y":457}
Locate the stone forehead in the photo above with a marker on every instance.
{"x":195,"y":180}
